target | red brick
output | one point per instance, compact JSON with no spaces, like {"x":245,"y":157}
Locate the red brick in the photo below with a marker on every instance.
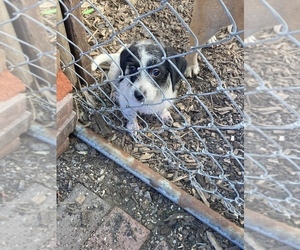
{"x":10,"y":85}
{"x":63,"y":86}
{"x":118,"y":231}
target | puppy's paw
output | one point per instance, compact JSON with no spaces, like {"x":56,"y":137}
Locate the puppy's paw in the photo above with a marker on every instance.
{"x":192,"y":70}
{"x":213,"y":39}
{"x":133,"y":127}
{"x":250,"y":39}
{"x":114,"y":95}
{"x":166,"y":117}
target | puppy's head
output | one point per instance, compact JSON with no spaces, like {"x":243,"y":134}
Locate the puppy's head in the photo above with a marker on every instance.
{"x":150,"y":75}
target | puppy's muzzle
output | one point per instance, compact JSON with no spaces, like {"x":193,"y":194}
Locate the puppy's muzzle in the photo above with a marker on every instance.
{"x":139,"y":96}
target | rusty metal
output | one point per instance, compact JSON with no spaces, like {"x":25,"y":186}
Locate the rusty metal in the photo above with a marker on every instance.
{"x":42,"y":133}
{"x":271,"y":228}
{"x":205,"y":214}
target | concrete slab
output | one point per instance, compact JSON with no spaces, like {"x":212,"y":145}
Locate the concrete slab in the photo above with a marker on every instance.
{"x":78,"y":216}
{"x":28,"y":222}
{"x":118,"y":231}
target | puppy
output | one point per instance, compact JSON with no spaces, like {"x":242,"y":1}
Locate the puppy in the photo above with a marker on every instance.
{"x":144,"y":80}
{"x":207,"y":18}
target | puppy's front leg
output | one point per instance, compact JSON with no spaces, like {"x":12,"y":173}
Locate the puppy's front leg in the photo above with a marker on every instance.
{"x":166,"y":117}
{"x":192,"y":68}
{"x":132,"y":123}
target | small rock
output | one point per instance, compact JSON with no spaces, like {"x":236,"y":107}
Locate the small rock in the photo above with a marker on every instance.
{"x":81,"y":147}
{"x":150,"y":226}
{"x":80,"y":199}
{"x":87,"y":167}
{"x":116,"y":179}
{"x":70,"y":185}
{"x":147,"y":196}
{"x":21,"y":186}
{"x":38,"y":199}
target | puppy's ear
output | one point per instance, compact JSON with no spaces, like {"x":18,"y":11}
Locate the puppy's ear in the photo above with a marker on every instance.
{"x":124,"y":58}
{"x":179,"y":62}
{"x":127,"y":57}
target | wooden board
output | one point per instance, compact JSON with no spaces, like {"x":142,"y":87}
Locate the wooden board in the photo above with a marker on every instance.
{"x":14,"y":129}
{"x":77,"y":34}
{"x":66,"y":129}
{"x":65,"y":55}
{"x":11,"y":109}
{"x":9,"y":148}
{"x":33,"y":32}
{"x":64,"y":109}
{"x":13,"y":50}
{"x":63,"y":147}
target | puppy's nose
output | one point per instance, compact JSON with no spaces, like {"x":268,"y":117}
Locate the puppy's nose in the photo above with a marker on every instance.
{"x":138,"y":95}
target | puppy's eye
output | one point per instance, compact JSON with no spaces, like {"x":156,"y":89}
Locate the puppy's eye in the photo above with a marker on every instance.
{"x":132,"y":69}
{"x":155,"y":72}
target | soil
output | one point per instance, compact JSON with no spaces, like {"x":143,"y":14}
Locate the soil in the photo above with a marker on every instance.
{"x":193,"y":153}
{"x":272,"y":147}
{"x":166,"y":221}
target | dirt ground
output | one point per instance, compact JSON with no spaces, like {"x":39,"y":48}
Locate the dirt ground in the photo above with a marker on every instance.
{"x":220,"y":185}
{"x":27,"y":196}
{"x":83,"y":164}
{"x":166,"y":221}
{"x":221,"y":175}
{"x":215,"y":177}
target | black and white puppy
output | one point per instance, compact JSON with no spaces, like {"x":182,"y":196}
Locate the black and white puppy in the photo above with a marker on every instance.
{"x":145,"y":79}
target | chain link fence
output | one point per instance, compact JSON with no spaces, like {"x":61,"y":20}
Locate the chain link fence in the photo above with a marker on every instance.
{"x":202,"y":152}
{"x":272,"y":119}
{"x":31,"y":59}
{"x":28,"y":179}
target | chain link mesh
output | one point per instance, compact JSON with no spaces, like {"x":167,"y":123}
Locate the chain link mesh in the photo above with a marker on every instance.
{"x":272,"y":116}
{"x":202,"y":151}
{"x":33,"y":64}
{"x":27,"y":165}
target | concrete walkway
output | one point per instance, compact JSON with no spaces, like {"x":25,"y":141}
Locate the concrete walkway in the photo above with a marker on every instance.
{"x":85,"y":221}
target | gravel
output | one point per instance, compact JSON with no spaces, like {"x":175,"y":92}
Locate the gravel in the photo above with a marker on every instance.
{"x":166,"y":221}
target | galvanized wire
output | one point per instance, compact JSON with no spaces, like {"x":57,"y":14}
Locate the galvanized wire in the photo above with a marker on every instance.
{"x":272,"y":119}
{"x":171,"y":145}
{"x":27,"y":44}
{"x":40,"y":91}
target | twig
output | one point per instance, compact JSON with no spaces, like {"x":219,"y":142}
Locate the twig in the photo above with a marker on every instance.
{"x":213,"y":241}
